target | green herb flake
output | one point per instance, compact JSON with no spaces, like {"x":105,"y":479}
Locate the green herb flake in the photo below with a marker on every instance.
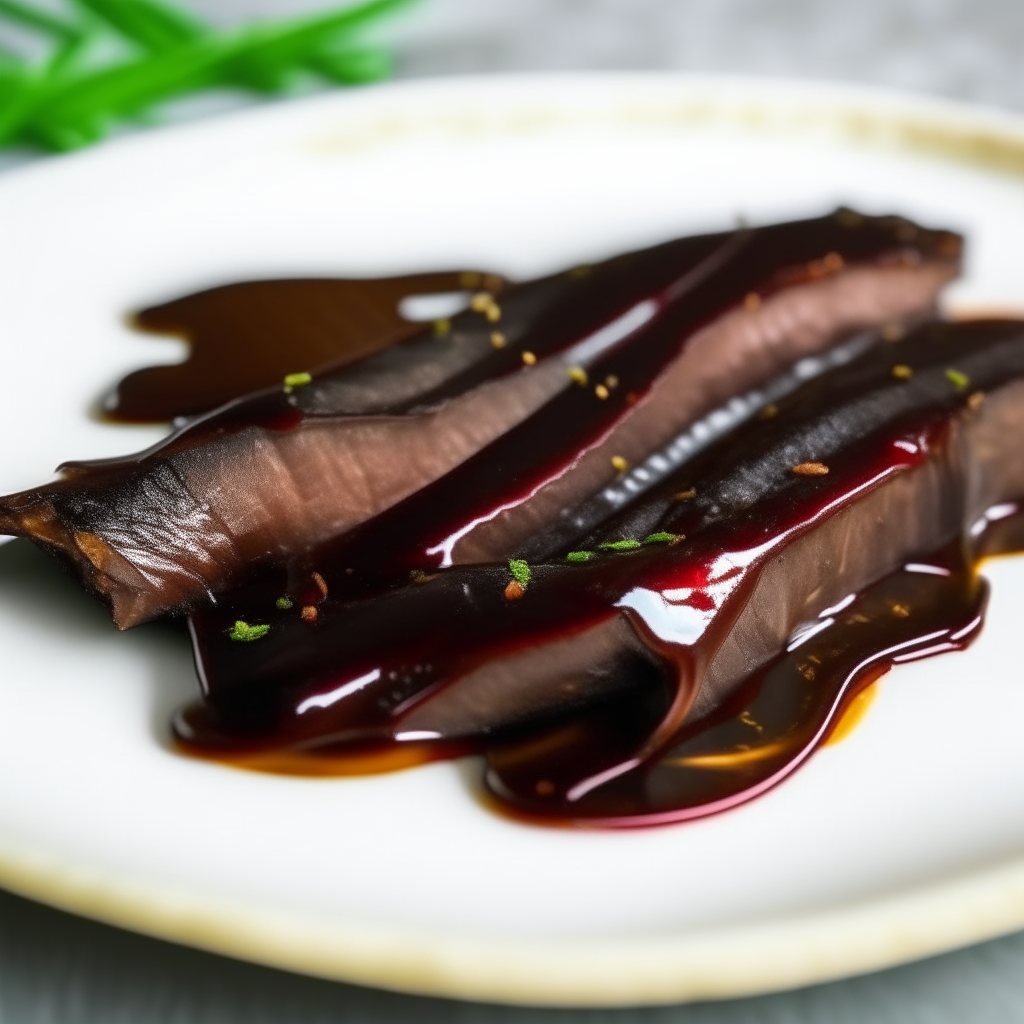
{"x":661,"y":538}
{"x":620,"y":545}
{"x":520,"y":571}
{"x":957,"y":379}
{"x":296,"y":380}
{"x":579,"y":556}
{"x":284,"y":603}
{"x":243,"y":632}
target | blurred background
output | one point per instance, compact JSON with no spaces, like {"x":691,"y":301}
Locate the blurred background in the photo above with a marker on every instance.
{"x":61,"y":970}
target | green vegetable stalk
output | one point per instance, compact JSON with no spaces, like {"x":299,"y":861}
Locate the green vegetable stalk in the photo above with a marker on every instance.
{"x":70,"y":99}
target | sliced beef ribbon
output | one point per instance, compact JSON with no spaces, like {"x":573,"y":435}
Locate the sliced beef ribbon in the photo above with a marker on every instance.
{"x":688,"y":592}
{"x":268,"y":479}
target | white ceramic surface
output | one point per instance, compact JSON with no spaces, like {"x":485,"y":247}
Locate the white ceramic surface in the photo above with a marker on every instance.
{"x":904,"y":839}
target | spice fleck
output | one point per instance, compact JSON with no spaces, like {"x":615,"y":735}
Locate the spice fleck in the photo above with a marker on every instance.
{"x":244,"y":633}
{"x":520,"y":571}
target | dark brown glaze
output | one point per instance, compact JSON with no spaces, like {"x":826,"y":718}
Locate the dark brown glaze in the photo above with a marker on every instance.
{"x":514,"y":496}
{"x":267,"y":477}
{"x":598,"y":691}
{"x":760,"y":734}
{"x":245,"y":337}
{"x":265,"y":481}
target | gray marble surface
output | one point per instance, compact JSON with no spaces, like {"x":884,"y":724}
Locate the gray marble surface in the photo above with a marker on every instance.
{"x":58,"y":969}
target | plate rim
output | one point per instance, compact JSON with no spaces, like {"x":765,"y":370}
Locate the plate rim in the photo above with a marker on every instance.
{"x":718,"y":963}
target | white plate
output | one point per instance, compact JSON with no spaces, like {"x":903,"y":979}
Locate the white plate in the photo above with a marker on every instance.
{"x":905,"y":839}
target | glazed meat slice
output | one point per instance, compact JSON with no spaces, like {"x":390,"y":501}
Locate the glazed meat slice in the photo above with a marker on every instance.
{"x":683,"y":596}
{"x":267,"y":480}
{"x":546,"y":480}
{"x":267,"y":477}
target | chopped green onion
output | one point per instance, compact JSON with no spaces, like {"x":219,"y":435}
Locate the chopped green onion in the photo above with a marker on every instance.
{"x":243,"y":632}
{"x":620,"y":545}
{"x":957,"y":379}
{"x":520,"y":571}
{"x":579,"y":556}
{"x":661,"y":538}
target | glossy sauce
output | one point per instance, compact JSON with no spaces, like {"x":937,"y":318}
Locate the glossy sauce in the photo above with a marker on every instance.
{"x":247,"y":336}
{"x":631,"y":757}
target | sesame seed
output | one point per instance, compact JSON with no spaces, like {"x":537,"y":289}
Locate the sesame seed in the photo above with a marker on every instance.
{"x":619,"y":464}
{"x":957,"y":379}
{"x":975,"y":401}
{"x":493,"y":313}
{"x":768,"y":412}
{"x":685,"y":495}
{"x":529,"y":358}
{"x":902,"y":372}
{"x":833,"y":262}
{"x":498,"y":339}
{"x":481,"y":301}
{"x":611,"y":381}
{"x":901,"y":611}
{"x":578,"y":375}
{"x":810,"y":469}
{"x":601,"y":391}
{"x":321,"y":584}
{"x":442,"y":326}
